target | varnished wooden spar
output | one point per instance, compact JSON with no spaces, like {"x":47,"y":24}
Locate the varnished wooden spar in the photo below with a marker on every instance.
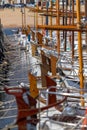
{"x":64,"y":27}
{"x":44,"y":71}
{"x":33,"y":35}
{"x":45,"y":61}
{"x":39,"y":38}
{"x":45,"y":67}
{"x":50,"y":82}
{"x":53,"y":65}
{"x":38,"y":35}
{"x":80,"y":52}
{"x":54,"y":11}
{"x":25,"y":110}
{"x":34,"y":49}
{"x":34,"y":92}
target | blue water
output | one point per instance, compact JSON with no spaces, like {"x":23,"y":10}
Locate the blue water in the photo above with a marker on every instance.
{"x":10,"y":31}
{"x":18,"y":72}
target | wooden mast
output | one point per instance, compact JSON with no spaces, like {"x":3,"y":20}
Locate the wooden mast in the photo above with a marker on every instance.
{"x":51,"y":5}
{"x":70,"y":27}
{"x":22,"y":20}
{"x":80,"y":51}
{"x":65,"y":23}
{"x":58,"y":23}
{"x":72,"y":31}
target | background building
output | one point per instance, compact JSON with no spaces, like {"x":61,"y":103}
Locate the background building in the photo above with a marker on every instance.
{"x":13,"y":1}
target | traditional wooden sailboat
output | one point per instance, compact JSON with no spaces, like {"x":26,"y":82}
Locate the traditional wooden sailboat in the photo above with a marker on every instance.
{"x":72,"y":28}
{"x":51,"y":60}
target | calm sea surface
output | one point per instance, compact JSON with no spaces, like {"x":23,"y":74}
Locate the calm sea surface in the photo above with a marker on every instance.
{"x":16,"y":74}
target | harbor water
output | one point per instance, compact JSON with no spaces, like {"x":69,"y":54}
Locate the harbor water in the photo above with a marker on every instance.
{"x":12,"y":76}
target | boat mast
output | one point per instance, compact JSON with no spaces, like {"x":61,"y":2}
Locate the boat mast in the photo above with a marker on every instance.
{"x":72,"y":31}
{"x":58,"y":23}
{"x":36,"y":22}
{"x":80,"y":50}
{"x":23,"y":18}
{"x":51,"y":6}
{"x":47,"y":21}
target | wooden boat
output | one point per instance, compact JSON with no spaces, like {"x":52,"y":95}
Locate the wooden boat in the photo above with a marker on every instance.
{"x":31,"y":110}
{"x":49,"y":53}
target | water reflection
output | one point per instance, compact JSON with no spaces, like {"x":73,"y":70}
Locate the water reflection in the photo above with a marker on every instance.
{"x":17,"y":73}
{"x":12,"y":74}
